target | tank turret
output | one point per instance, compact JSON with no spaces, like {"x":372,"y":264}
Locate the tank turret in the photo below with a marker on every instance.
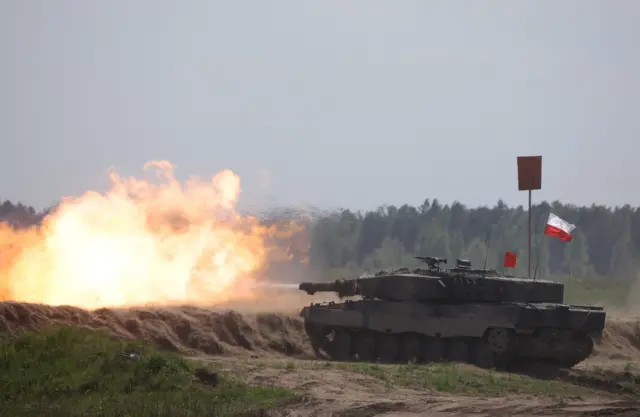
{"x":461,"y":283}
{"x":459,"y":314}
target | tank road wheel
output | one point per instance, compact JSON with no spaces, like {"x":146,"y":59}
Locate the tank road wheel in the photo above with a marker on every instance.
{"x":482,"y":355}
{"x":582,"y":349}
{"x":316,"y":336}
{"x":410,"y":348}
{"x":493,"y":348}
{"x":433,"y":350}
{"x":387,"y":348}
{"x":365,"y":346}
{"x":458,"y":350}
{"x":340,"y":346}
{"x":500,"y":340}
{"x":584,"y":345}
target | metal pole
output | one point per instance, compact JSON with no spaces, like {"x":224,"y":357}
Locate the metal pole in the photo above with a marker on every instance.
{"x":529,"y":234}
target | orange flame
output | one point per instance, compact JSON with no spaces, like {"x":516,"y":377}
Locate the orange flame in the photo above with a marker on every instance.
{"x":139,"y":243}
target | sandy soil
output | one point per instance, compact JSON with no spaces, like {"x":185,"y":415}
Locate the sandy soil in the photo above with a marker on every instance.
{"x":337,"y":392}
{"x":231,"y":337}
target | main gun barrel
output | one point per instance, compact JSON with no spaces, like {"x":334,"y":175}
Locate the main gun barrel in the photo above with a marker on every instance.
{"x":342,"y":287}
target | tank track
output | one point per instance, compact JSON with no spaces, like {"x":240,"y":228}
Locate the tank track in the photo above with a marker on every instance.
{"x":497,"y":348}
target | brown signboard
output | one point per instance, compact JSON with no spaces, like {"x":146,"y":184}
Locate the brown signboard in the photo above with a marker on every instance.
{"x":529,"y":173}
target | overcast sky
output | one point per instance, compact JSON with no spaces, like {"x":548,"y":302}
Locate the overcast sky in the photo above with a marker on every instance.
{"x":330,"y":103}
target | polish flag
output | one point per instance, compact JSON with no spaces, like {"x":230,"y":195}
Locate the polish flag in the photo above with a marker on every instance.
{"x":556,"y":227}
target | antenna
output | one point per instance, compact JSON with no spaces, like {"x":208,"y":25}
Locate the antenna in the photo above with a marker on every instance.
{"x":538,"y":243}
{"x":486,"y":255}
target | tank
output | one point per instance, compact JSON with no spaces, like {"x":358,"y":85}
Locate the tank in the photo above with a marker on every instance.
{"x":461,"y":314}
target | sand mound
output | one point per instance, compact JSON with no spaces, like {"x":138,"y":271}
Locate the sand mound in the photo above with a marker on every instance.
{"x":200,"y":331}
{"x":621,"y":339}
{"x":189,"y":330}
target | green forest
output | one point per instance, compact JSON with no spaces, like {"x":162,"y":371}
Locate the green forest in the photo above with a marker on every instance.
{"x":606,"y":240}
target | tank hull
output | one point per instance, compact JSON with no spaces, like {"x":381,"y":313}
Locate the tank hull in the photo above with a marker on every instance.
{"x":487,"y":334}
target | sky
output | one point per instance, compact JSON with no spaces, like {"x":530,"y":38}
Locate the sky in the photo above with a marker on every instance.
{"x":327,"y":103}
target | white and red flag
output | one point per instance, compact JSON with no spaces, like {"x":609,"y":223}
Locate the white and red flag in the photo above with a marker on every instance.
{"x":556,"y":227}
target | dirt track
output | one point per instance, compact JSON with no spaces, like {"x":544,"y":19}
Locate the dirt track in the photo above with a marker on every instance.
{"x":230,"y":338}
{"x":332,"y":391}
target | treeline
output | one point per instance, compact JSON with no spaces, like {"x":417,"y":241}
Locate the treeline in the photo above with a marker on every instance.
{"x":606,"y":242}
{"x":19,"y":215}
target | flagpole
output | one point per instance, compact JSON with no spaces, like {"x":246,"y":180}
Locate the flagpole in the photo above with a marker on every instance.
{"x":529,"y":266}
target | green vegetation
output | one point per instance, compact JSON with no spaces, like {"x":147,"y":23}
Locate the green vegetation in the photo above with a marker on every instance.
{"x":77,"y":372}
{"x":462,"y":379}
{"x":629,"y":378}
{"x":608,"y":292}
{"x":443,"y":377}
{"x":630,"y":382}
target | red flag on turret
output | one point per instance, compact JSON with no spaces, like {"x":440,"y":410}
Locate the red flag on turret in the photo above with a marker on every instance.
{"x":510,"y":260}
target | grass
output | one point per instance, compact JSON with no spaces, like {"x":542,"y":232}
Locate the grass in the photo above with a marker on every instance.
{"x":631,"y":382}
{"x":629,"y":378}
{"x":443,"y":377}
{"x":77,"y":372}
{"x":462,"y":379}
{"x":606,"y":291}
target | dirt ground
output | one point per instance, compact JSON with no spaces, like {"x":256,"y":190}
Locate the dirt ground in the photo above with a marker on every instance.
{"x":338,"y":391}
{"x":271,"y":348}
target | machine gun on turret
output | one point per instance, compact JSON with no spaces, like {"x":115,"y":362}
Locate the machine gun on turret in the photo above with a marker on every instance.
{"x":432,"y":262}
{"x":463,"y":266}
